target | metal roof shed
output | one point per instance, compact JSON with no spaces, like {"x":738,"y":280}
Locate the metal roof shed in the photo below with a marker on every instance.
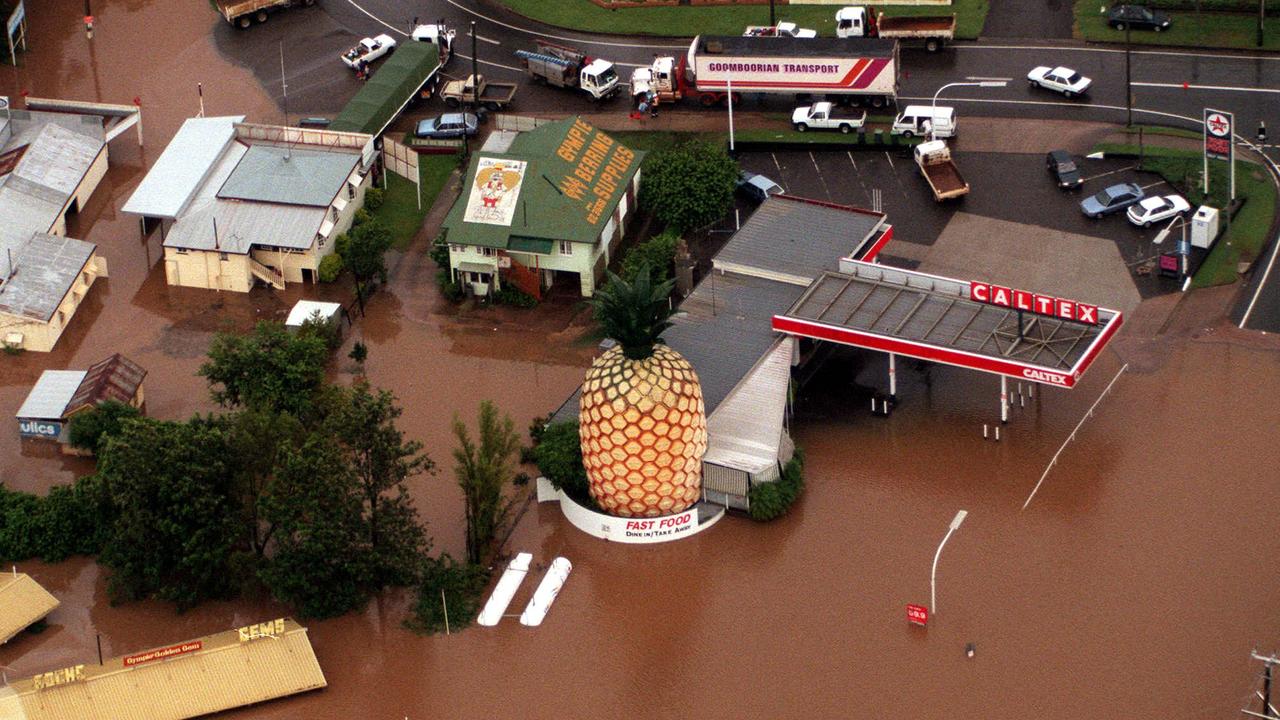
{"x":747,"y":431}
{"x":184,"y":165}
{"x":22,"y":602}
{"x":50,"y":395}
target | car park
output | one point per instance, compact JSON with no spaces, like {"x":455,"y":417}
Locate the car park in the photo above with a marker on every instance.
{"x":1137,"y":17}
{"x":368,"y":50}
{"x":1063,"y":168}
{"x":1157,"y":209}
{"x":448,"y":125}
{"x":1059,"y":79}
{"x":1112,"y":199}
{"x":758,"y":187}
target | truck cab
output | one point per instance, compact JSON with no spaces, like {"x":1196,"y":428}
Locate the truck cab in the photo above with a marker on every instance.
{"x":437,"y":34}
{"x":659,"y":78}
{"x":599,"y":78}
{"x":851,"y":22}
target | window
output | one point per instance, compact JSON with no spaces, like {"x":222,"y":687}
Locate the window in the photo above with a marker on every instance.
{"x":566,"y":247}
{"x":335,"y":214}
{"x":182,"y":251}
{"x":223,"y":257}
{"x":351,"y":191}
{"x":486,"y":251}
{"x":320,"y":240}
{"x":85,"y":277}
{"x":457,"y":248}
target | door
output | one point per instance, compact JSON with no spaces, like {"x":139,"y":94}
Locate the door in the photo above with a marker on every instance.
{"x":308,"y":276}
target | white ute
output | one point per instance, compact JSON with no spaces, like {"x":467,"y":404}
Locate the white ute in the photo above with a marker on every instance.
{"x":782,"y":29}
{"x":368,"y":50}
{"x":827,"y":116}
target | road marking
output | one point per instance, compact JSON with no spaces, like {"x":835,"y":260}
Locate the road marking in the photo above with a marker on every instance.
{"x":851,"y":160}
{"x":582,"y":41}
{"x":978,"y":77}
{"x":886,"y":157}
{"x":391,"y":27}
{"x":775,"y":164}
{"x":486,"y":62}
{"x":1158,"y":182}
{"x":825,"y":188}
{"x":1116,"y":52}
{"x":1112,"y":172}
{"x":1226,"y":88}
{"x":1275,"y":248}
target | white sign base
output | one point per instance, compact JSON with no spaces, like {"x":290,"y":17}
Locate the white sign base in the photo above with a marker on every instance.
{"x":636,"y":531}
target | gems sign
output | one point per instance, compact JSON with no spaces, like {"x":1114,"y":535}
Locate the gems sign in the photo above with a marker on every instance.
{"x":1049,"y":305}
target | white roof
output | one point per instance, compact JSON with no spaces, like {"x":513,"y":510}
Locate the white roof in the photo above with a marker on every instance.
{"x":744,"y":430}
{"x":49,"y":398}
{"x":306,"y":308}
{"x":176,"y":175}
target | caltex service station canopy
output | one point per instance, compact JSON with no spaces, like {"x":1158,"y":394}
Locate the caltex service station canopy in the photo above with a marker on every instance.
{"x":974,"y":325}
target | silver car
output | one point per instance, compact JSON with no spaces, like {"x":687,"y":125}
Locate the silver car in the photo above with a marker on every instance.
{"x":1113,"y":199}
{"x":758,"y":187}
{"x":448,"y":125}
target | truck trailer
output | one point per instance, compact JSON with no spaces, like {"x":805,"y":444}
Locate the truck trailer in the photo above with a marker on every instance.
{"x":243,"y":13}
{"x":842,"y":71}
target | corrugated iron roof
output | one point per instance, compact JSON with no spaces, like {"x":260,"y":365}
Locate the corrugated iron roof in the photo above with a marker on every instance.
{"x":185,"y":164}
{"x":744,"y":431}
{"x":49,"y":396}
{"x":243,"y":224}
{"x":291,"y":176}
{"x":304,"y":309}
{"x":45,"y":268}
{"x":22,"y":602}
{"x":116,"y":378}
{"x":223,"y":673}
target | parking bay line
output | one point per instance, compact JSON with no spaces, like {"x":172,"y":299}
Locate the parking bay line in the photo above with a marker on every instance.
{"x":1102,"y":175}
{"x":818,"y":170}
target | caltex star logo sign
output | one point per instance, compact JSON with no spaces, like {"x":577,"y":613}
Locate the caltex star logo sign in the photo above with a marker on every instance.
{"x":1218,"y":124}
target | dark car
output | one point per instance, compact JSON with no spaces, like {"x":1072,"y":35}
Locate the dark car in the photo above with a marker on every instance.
{"x":758,"y":187}
{"x":1113,"y":199}
{"x":448,"y":125}
{"x":1137,"y":17}
{"x":1063,"y":169}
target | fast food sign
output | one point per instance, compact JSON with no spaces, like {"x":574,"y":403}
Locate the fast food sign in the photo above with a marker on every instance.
{"x":1048,"y":305}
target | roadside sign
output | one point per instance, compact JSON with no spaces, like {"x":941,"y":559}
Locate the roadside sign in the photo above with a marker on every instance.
{"x":1219,"y":143}
{"x":917,"y":615}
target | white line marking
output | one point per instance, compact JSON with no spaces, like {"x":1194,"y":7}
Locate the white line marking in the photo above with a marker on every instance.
{"x":1158,"y":182}
{"x":886,"y":157}
{"x":1206,"y":87}
{"x":1072,"y":436}
{"x":979,"y":77}
{"x":389,"y":26}
{"x":486,"y":62}
{"x":775,"y":164}
{"x":1275,"y":248}
{"x":851,"y":160}
{"x":558,"y":37}
{"x":491,"y":41}
{"x":1114,"y":51}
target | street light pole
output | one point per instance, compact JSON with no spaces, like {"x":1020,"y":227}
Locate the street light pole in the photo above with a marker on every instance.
{"x":933,"y":112}
{"x":933,"y":576}
{"x":773,"y":21}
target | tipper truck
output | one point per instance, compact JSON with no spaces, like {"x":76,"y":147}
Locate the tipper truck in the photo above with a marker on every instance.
{"x":243,"y":13}
{"x":933,"y":32}
{"x":493,"y":96}
{"x":561,"y":66}
{"x":844,"y":71}
{"x":934,"y":159}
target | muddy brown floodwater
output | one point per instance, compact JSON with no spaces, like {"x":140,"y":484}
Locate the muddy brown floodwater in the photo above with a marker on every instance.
{"x":1135,"y":584}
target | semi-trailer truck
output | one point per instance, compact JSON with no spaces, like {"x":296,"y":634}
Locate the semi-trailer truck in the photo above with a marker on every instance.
{"x":838,"y":70}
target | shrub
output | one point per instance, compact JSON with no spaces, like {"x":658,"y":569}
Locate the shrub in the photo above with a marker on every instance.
{"x":342,"y":244}
{"x":440,"y":252}
{"x":658,"y":252}
{"x":361,"y":217}
{"x":329,"y":332}
{"x":771,"y":500}
{"x":72,"y":520}
{"x":87,"y":429}
{"x":330,"y":267}
{"x":514,"y":296}
{"x":374,"y":197}
{"x":448,"y":288}
{"x":461,"y":586}
{"x":559,"y":457}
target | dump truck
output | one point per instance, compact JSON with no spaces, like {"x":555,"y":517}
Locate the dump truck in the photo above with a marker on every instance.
{"x":827,"y":116}
{"x":492,"y":96}
{"x":566,"y":67}
{"x":841,"y":71}
{"x":933,"y":31}
{"x":243,"y":13}
{"x":934,"y":159}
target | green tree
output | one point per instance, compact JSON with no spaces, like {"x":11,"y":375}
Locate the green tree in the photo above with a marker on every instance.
{"x":365,"y":255}
{"x":257,"y":441}
{"x":447,"y":582}
{"x":330,"y":267}
{"x":483,"y":468}
{"x":268,"y":369}
{"x":558,"y":455}
{"x":688,"y":186}
{"x":658,"y":252}
{"x":176,"y":530}
{"x":322,"y":555}
{"x":88,"y":428}
{"x":363,"y":424}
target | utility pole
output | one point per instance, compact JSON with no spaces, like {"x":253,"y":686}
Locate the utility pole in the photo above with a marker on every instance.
{"x":1268,"y":711}
{"x":88,"y":20}
{"x":773,"y":21}
{"x":475,"y":95}
{"x":1128,"y":78}
{"x":1262,"y":19}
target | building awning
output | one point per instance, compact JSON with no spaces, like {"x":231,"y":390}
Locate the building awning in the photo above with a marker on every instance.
{"x":326,"y":227}
{"x":477,"y":267}
{"x":340,"y":202}
{"x":187,"y":679}
{"x":48,"y":399}
{"x":22,"y":602}
{"x":530,"y":245}
{"x":744,"y":432}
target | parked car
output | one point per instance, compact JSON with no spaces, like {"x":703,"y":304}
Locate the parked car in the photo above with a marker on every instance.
{"x":1155,"y":209}
{"x":368,"y":50}
{"x":1063,"y":169}
{"x":1113,"y":199}
{"x":925,"y":120}
{"x":758,"y":187}
{"x":1060,"y":79}
{"x":448,"y":125}
{"x":1137,"y":17}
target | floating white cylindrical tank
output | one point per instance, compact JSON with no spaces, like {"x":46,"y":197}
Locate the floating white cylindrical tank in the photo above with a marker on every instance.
{"x":546,"y":592}
{"x":505,"y":590}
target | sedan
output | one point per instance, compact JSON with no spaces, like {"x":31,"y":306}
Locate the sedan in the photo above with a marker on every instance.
{"x":1063,"y":169}
{"x":758,"y":187}
{"x":1154,"y":209}
{"x":1060,"y":79}
{"x":1138,"y":17}
{"x":448,"y":125}
{"x":1113,"y":199}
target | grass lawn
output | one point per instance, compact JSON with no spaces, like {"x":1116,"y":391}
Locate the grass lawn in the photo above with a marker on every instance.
{"x":688,"y":21}
{"x":1189,"y":29}
{"x":1249,"y":230}
{"x":400,"y":207}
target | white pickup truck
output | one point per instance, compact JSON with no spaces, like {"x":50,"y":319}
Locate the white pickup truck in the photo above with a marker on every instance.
{"x":368,"y":50}
{"x":782,"y":29}
{"x":827,"y":116}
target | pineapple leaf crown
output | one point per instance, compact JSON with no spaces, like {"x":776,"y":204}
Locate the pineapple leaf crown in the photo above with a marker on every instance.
{"x":634,"y":312}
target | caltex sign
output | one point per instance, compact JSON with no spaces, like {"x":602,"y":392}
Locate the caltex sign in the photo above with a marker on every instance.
{"x":1218,"y":127}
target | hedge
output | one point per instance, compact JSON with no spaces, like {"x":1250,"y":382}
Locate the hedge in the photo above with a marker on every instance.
{"x":772,"y":500}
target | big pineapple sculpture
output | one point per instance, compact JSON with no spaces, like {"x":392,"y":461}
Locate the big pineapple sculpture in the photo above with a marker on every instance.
{"x":642,"y":423}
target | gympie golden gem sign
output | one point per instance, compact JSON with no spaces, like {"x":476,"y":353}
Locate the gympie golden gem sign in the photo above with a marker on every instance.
{"x":270,"y":628}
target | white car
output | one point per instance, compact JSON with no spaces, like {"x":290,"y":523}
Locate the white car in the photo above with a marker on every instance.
{"x":368,"y":50}
{"x":1060,"y":79}
{"x":1156,"y":208}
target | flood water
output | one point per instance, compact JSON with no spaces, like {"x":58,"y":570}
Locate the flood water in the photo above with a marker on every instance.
{"x":1134,"y":585}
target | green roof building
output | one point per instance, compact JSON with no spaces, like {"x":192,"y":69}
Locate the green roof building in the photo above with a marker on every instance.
{"x":553,"y":205}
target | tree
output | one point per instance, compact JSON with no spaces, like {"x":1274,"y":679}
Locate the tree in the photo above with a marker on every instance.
{"x":368,"y":244}
{"x":688,"y":186}
{"x":658,"y":252}
{"x":89,"y":428}
{"x":363,"y":424}
{"x":322,"y":555}
{"x":176,"y":528}
{"x":558,"y":455}
{"x":269,"y":369}
{"x":256,"y":442}
{"x":483,"y":470}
